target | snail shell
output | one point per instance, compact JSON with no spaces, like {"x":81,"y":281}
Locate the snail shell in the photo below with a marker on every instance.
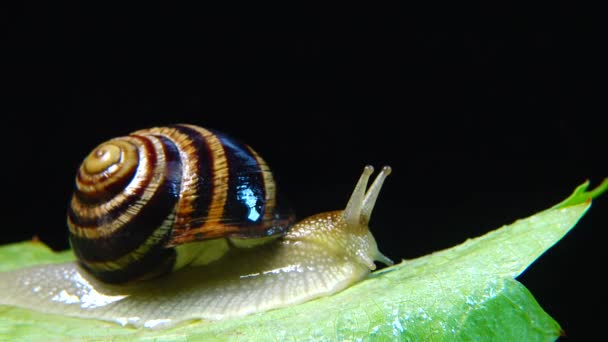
{"x":139,"y":198}
{"x":238,"y":265}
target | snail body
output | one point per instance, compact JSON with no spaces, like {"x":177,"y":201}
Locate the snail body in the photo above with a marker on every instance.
{"x":236,"y":253}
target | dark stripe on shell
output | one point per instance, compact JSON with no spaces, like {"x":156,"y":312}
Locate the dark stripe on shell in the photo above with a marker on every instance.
{"x":110,"y":191}
{"x":246,"y":198}
{"x":135,"y":232}
{"x":109,"y":216}
{"x":157,"y":261}
{"x":204,"y":165}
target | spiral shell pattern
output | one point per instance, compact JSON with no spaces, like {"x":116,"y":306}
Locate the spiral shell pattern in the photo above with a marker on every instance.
{"x":139,"y":196}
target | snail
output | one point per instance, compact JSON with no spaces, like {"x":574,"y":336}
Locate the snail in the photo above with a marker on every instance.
{"x":179,"y":223}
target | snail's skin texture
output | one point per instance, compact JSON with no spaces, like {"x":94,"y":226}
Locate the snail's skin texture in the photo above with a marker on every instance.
{"x":318,"y":256}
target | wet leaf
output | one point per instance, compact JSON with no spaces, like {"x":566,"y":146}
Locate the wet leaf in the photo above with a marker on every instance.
{"x":467,"y":292}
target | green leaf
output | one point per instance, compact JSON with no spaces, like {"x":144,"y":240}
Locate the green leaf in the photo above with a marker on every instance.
{"x":467,"y":292}
{"x":21,"y":255}
{"x":581,"y":194}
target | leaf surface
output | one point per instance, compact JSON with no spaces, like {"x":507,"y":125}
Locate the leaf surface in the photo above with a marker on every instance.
{"x":467,"y":292}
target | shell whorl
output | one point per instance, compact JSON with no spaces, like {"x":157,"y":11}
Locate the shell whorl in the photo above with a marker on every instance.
{"x":139,"y":196}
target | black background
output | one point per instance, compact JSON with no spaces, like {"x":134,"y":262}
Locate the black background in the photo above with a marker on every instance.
{"x":484,"y":119}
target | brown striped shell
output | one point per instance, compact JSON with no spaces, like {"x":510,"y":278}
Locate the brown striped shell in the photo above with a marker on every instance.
{"x":140,"y":197}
